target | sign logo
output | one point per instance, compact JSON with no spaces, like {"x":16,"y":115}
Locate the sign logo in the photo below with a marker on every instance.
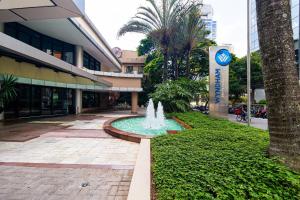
{"x":218,"y":86}
{"x":223,"y":57}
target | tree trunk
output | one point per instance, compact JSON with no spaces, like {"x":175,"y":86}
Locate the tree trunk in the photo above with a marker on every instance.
{"x":188,"y":64}
{"x":165,"y":70}
{"x":176,"y":68}
{"x":280,"y":78}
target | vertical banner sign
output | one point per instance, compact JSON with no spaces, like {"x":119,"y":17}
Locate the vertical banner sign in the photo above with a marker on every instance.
{"x":219,"y":60}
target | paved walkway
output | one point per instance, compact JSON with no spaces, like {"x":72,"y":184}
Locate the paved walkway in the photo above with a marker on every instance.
{"x":255,"y":122}
{"x":64,"y":158}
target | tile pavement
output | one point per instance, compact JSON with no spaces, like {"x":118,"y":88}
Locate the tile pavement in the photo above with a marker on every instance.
{"x":52,"y":158}
{"x":19,"y":183}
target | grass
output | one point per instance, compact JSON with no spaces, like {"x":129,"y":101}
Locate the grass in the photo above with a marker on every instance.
{"x":219,"y":159}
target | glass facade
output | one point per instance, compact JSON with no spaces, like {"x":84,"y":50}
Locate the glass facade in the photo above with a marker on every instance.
{"x":254,"y":33}
{"x":33,"y":100}
{"x":91,"y":99}
{"x":90,"y":62}
{"x":211,"y":26}
{"x":51,"y":46}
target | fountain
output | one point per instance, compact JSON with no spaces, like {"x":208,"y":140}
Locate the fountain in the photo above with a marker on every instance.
{"x":153,"y":124}
{"x":160,"y":116}
{"x":151,"y":120}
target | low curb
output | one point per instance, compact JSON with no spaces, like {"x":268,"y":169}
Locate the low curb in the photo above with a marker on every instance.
{"x":132,"y":137}
{"x":140,"y":186}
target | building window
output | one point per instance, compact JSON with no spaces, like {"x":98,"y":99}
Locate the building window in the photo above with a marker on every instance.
{"x":141,"y":70}
{"x":90,"y":62}
{"x":86,"y":60}
{"x":57,"y":49}
{"x":129,"y":69}
{"x":46,"y":45}
{"x":51,"y":46}
{"x":98,"y":66}
{"x":68,"y":53}
{"x":90,"y":99}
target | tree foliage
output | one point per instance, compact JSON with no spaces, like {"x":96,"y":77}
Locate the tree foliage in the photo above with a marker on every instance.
{"x":238,"y":75}
{"x":7,"y":90}
{"x":177,"y":95}
{"x":174,"y":27}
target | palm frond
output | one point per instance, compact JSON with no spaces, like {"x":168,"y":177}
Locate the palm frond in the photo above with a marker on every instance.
{"x":8,"y":90}
{"x":135,"y":26}
{"x":145,"y":17}
{"x":151,"y":12}
{"x":157,"y":10}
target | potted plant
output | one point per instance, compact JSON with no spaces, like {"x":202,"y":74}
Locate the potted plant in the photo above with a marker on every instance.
{"x":7,"y":91}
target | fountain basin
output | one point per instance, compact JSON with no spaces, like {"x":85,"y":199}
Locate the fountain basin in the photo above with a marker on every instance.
{"x":132,"y":129}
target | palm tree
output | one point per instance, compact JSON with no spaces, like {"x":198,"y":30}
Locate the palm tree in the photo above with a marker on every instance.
{"x":157,"y":21}
{"x":280,"y":78}
{"x":193,"y":32}
{"x":7,"y":90}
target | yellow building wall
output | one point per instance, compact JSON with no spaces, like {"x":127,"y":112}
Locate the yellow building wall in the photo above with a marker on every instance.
{"x":28,"y":70}
{"x":123,"y":82}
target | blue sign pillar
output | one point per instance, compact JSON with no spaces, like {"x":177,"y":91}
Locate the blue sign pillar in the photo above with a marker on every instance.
{"x":219,"y":60}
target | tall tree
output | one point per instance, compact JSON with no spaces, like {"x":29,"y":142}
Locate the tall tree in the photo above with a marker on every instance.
{"x":194,"y":31}
{"x":238,"y":75}
{"x":280,"y":78}
{"x":157,"y":21}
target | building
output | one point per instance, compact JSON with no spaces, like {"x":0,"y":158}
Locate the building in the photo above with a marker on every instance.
{"x":210,"y":24}
{"x":295,"y":24}
{"x":62,"y":62}
{"x":259,"y":94}
{"x":132,"y":62}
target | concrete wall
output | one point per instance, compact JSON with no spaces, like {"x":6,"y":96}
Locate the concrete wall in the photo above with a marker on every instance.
{"x":124,"y":82}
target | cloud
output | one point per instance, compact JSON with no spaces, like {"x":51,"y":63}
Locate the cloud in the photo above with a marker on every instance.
{"x":109,"y":16}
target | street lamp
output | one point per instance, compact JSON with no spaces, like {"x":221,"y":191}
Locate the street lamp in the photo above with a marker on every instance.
{"x":248,"y":62}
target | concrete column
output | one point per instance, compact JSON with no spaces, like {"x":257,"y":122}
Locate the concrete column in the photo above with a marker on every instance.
{"x":1,"y":27}
{"x":134,"y":102}
{"x":78,"y":101}
{"x":79,"y":56}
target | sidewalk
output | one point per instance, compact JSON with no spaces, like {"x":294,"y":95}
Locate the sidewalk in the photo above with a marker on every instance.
{"x":255,"y":122}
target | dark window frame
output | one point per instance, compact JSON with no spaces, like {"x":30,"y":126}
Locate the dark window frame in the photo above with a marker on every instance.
{"x":90,"y":62}
{"x":17,"y":30}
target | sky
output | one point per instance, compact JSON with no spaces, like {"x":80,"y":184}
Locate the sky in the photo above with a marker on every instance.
{"x":110,"y":16}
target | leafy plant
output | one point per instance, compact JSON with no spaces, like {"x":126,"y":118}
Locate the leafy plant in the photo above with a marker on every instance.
{"x":219,"y":159}
{"x":173,"y":96}
{"x":263,"y":102}
{"x":177,"y":95}
{"x":7,"y":90}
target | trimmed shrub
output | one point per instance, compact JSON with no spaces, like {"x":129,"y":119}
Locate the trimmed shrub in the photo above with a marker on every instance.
{"x":219,"y":159}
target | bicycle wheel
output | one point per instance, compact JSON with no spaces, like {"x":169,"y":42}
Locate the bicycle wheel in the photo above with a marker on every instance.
{"x":239,"y":118}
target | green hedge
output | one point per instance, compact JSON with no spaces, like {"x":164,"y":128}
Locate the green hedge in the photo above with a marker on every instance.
{"x":219,"y":159}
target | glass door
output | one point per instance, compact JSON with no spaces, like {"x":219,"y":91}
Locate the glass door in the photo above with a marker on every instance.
{"x":46,"y":101}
